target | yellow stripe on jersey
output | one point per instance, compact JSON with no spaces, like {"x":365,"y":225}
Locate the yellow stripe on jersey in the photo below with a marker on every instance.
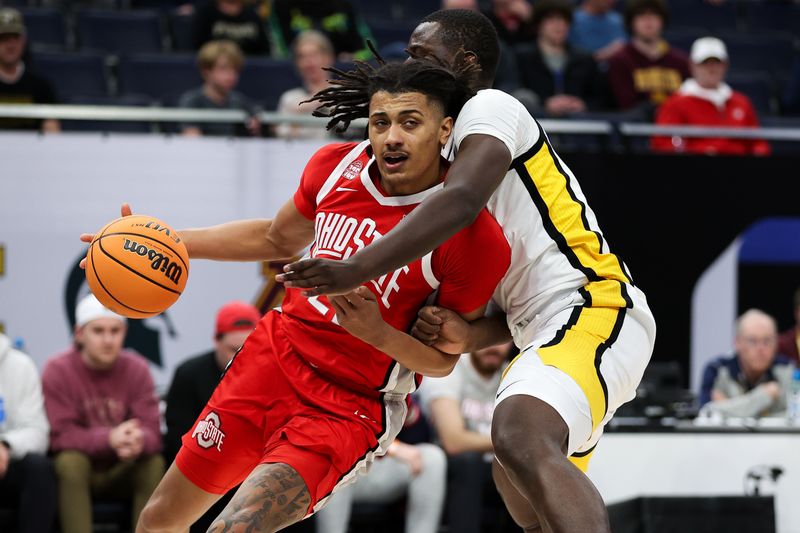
{"x":564,"y":218}
{"x":577,"y":349}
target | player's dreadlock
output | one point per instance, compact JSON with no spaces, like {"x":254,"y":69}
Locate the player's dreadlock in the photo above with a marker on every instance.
{"x":349,"y":95}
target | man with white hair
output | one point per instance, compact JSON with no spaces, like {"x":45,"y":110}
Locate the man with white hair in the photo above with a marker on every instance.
{"x":104,"y":419}
{"x":753,"y":382}
{"x":706,"y":100}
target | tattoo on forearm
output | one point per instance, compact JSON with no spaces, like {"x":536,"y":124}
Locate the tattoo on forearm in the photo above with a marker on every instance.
{"x":273,"y":496}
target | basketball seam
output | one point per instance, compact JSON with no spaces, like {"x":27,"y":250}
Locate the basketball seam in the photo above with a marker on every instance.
{"x":167,"y":246}
{"x":100,"y":281}
{"x":132,"y":270}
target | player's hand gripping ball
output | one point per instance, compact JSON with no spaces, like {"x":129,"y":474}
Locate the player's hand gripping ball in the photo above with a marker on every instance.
{"x":137,"y":266}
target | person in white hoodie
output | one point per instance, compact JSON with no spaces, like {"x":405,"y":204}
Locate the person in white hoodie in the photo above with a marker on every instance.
{"x":26,"y":474}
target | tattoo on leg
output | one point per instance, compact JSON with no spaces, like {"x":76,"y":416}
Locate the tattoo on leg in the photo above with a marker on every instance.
{"x":272,"y":497}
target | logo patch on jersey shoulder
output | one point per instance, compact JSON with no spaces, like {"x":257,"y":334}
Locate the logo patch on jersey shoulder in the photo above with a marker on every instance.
{"x":209,"y":432}
{"x":353,"y":170}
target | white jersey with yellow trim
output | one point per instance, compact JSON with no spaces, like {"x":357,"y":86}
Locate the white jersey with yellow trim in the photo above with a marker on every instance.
{"x":559,"y":257}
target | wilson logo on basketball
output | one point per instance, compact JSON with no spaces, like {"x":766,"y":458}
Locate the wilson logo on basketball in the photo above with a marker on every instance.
{"x":208,"y":432}
{"x":155,"y":226}
{"x":158,"y":261}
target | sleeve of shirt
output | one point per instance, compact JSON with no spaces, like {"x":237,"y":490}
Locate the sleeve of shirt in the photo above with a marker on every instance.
{"x":757,"y":146}
{"x":317,"y":171}
{"x":471,"y":264}
{"x":500,"y":115}
{"x":668,"y":114}
{"x":445,"y":387}
{"x":28,"y":429}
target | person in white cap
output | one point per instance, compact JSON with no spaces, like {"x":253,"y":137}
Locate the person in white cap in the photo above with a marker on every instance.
{"x":706,"y":100}
{"x":104,"y":419}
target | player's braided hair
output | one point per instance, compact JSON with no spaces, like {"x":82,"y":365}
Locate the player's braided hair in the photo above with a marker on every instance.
{"x":350,"y":92}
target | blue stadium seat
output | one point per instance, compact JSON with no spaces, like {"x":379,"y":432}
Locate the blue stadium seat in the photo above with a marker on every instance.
{"x":769,"y":53}
{"x":375,"y":11}
{"x":694,"y":12}
{"x":773,"y":16}
{"x":110,"y":125}
{"x":120,"y":32}
{"x":180,"y":30}
{"x":418,"y":9}
{"x":389,"y":32}
{"x":75,"y":75}
{"x":265,"y":80}
{"x":757,"y":86}
{"x":163,"y":77}
{"x":45,"y":27}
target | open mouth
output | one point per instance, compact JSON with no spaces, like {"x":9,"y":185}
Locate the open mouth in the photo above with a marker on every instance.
{"x":394,"y":161}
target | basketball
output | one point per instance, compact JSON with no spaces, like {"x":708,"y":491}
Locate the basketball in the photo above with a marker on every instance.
{"x":137,"y":266}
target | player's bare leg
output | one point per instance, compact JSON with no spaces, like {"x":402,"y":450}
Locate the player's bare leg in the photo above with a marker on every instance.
{"x":272,"y":497}
{"x":175,"y":504}
{"x":520,"y":509}
{"x":530,"y":442}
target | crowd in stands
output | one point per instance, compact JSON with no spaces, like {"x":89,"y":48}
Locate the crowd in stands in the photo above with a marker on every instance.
{"x":560,"y":59}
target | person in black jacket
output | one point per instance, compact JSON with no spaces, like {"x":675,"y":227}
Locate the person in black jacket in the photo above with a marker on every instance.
{"x":564,"y":80}
{"x":231,"y":20}
{"x":195,"y":380}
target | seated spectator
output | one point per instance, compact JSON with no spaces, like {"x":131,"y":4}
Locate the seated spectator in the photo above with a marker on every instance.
{"x":195,"y":381}
{"x":513,"y":20}
{"x":753,"y":382}
{"x":564,"y":80}
{"x":337,"y":19}
{"x":26,"y":475}
{"x":706,"y":100}
{"x":220,"y":63}
{"x":312,"y":53}
{"x":646,"y":70}
{"x":104,"y":420}
{"x":232,"y":20}
{"x":789,"y":340}
{"x":461,"y":407}
{"x":411,"y":466}
{"x":17,"y":84}
{"x":598,"y":29}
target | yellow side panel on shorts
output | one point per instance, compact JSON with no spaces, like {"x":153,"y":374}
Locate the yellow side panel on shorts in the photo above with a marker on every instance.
{"x":576,"y":352}
{"x":582,"y":462}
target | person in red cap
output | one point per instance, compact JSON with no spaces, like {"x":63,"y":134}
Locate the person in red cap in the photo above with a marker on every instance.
{"x":196,"y":378}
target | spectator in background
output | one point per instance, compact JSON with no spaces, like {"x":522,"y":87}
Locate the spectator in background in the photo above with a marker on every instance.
{"x":231,"y":20}
{"x":195,"y":380}
{"x":313,"y":52}
{"x":337,"y":19}
{"x":646,"y":70}
{"x":598,"y":29}
{"x":411,"y":466}
{"x":220,"y":63}
{"x":513,"y":20}
{"x":104,"y":420}
{"x":753,"y":382}
{"x":17,"y":84}
{"x":564,"y":80}
{"x":472,"y":5}
{"x":706,"y":100}
{"x":789,"y":340}
{"x":26,"y":475}
{"x":461,"y":407}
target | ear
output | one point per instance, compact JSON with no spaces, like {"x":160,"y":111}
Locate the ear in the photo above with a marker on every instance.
{"x":445,"y":130}
{"x":470,"y":57}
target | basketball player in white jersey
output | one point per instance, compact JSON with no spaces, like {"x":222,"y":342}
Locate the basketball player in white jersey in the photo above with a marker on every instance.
{"x":570,"y":304}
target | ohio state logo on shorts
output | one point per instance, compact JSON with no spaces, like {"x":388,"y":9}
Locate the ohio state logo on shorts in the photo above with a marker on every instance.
{"x":209,"y":432}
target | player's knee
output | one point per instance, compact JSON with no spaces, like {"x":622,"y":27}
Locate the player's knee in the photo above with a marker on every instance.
{"x":156,"y":518}
{"x":519,"y":448}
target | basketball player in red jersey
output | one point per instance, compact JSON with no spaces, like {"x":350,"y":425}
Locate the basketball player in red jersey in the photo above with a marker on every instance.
{"x":306,"y":406}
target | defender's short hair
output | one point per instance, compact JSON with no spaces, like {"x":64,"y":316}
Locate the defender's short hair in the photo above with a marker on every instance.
{"x":472,"y":31}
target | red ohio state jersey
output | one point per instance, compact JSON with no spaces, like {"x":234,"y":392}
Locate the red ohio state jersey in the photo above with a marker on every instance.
{"x":350,"y":211}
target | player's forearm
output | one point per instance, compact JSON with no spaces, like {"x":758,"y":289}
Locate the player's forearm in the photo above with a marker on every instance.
{"x":412,"y":354}
{"x":241,"y":240}
{"x":465,"y":441}
{"x":487,"y":331}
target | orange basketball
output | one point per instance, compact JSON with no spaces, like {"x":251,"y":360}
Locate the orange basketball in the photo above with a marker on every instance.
{"x":137,"y":266}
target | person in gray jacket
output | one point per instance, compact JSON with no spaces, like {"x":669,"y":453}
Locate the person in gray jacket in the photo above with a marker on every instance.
{"x":752,"y":382}
{"x":26,"y":476}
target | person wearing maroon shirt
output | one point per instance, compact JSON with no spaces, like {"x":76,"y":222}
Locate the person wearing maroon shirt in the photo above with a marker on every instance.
{"x":646,"y":70}
{"x":706,"y":100}
{"x":104,"y":420}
